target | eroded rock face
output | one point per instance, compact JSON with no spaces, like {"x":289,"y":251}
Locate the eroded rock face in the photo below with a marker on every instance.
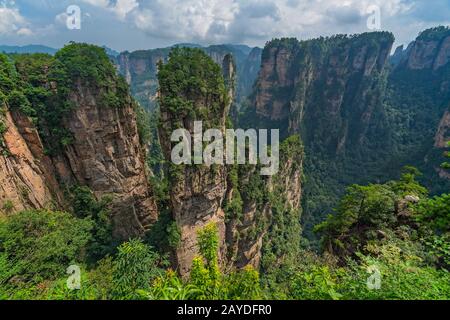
{"x":27,"y":180}
{"x":196,"y":191}
{"x":139,"y":69}
{"x":311,"y":85}
{"x":262,"y":223}
{"x":101,"y":148}
{"x":330,"y":91}
{"x":443,"y":133}
{"x":107,"y":157}
{"x":427,"y":53}
{"x":441,"y":140}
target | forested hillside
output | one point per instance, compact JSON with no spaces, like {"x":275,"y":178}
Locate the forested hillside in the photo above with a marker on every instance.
{"x":359,"y":208}
{"x":360,"y":117}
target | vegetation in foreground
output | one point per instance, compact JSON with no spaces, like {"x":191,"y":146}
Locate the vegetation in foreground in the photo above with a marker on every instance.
{"x":392,"y":229}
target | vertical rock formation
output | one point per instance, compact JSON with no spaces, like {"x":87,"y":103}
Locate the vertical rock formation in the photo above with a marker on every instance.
{"x":27,"y":181}
{"x":330,"y":91}
{"x":192,"y":89}
{"x":140,"y":70}
{"x":263,"y":212}
{"x":257,"y":216}
{"x":106,"y":156}
{"x":324,"y":83}
{"x":420,"y":94}
{"x":87,"y":123}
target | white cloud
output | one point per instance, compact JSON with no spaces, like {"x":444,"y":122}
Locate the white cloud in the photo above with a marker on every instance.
{"x":254,"y":20}
{"x":12,"y":22}
{"x":97,"y":3}
{"x":150,"y":23}
{"x":121,"y":8}
{"x":186,"y":20}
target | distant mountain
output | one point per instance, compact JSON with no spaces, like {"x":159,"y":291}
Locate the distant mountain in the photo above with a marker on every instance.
{"x":28,"y":49}
{"x":242,"y":47}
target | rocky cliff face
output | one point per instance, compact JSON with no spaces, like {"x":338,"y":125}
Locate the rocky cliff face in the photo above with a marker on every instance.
{"x":140,"y":70}
{"x":360,"y":117}
{"x":27,"y":180}
{"x":196,"y":191}
{"x":420,"y":90}
{"x":326,"y":83}
{"x":330,"y":91}
{"x":263,"y":213}
{"x":249,"y":209}
{"x":87,"y":135}
{"x":106,"y":156}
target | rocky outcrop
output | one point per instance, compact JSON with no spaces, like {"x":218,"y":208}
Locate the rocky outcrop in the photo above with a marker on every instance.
{"x":443,"y":132}
{"x":420,"y":90}
{"x":140,"y":69}
{"x":93,"y":142}
{"x":196,"y":191}
{"x":441,"y":141}
{"x":429,"y":51}
{"x":107,"y":157}
{"x":27,"y":181}
{"x":311,"y":85}
{"x":330,"y":91}
{"x":267,"y":215}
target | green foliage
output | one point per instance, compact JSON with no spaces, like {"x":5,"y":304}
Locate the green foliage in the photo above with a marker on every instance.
{"x":319,"y":283}
{"x":135,"y":266}
{"x":36,"y":246}
{"x":85,"y":205}
{"x":191,"y":76}
{"x":170,"y":287}
{"x":437,"y":33}
{"x":143,"y":122}
{"x":205,"y":273}
{"x":408,"y":185}
{"x":435,"y":213}
{"x":86,"y":62}
{"x":165,"y":235}
{"x":445,"y":165}
{"x":8,"y":206}
{"x":366,"y":213}
{"x":403,"y":276}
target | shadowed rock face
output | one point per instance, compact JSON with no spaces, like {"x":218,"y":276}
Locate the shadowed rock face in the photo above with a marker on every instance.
{"x":326,"y":83}
{"x":360,"y":118}
{"x":104,"y":152}
{"x":429,"y":53}
{"x":237,"y":198}
{"x":196,"y":191}
{"x":420,"y":90}
{"x":107,"y":157}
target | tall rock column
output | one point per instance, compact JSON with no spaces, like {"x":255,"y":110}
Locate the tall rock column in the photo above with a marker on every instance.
{"x":97,"y":142}
{"x":192,"y":89}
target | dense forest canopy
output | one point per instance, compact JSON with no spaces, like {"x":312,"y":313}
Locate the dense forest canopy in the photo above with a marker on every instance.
{"x":397,"y":229}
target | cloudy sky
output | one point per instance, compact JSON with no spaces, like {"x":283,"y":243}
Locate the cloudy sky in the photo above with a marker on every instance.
{"x":143,"y":24}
